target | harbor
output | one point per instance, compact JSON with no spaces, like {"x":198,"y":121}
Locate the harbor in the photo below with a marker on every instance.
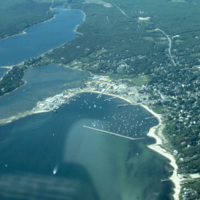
{"x":95,"y":84}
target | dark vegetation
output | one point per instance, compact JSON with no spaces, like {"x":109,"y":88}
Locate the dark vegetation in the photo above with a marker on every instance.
{"x":127,"y":46}
{"x":17,"y":15}
{"x":12,"y":80}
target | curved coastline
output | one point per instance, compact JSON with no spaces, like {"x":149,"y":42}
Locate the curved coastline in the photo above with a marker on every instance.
{"x":17,"y":34}
{"x":8,"y":69}
{"x":155,"y":132}
{"x":46,"y":52}
{"x":84,"y":19}
{"x":23,"y":32}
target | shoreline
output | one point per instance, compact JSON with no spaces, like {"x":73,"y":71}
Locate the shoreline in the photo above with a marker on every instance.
{"x":84,"y":15}
{"x":17,"y":34}
{"x":8,"y":69}
{"x":158,"y":147}
{"x":75,"y":30}
{"x":84,"y":19}
{"x":155,"y":132}
{"x":48,"y":51}
{"x":23,"y":32}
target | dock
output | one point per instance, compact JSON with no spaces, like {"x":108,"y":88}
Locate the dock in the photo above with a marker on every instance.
{"x":124,"y":105}
{"x":112,"y":133}
{"x":110,"y":98}
{"x":164,"y":180}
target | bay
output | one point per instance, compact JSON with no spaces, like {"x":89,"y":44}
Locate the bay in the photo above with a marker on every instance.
{"x":53,"y":155}
{"x":55,"y":146}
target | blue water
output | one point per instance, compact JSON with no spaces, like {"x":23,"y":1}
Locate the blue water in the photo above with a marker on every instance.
{"x":3,"y":71}
{"x":52,"y":155}
{"x":52,"y":152}
{"x":40,"y":38}
{"x":40,"y":83}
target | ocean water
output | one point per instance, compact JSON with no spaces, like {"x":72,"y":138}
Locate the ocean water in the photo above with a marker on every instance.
{"x":54,"y":156}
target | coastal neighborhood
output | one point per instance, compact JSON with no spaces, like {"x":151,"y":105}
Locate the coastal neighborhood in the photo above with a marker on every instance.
{"x":143,"y":52}
{"x":100,"y":84}
{"x":134,"y":95}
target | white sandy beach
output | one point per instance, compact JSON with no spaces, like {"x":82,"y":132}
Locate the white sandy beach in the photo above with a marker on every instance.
{"x":84,"y":18}
{"x":156,"y":132}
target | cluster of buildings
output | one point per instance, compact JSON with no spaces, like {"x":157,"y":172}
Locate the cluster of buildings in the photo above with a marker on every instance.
{"x":104,"y":84}
{"x":52,"y":103}
{"x":101,"y":84}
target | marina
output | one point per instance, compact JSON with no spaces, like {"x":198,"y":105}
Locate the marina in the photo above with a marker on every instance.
{"x":94,"y":135}
{"x":56,"y":125}
{"x":79,"y":142}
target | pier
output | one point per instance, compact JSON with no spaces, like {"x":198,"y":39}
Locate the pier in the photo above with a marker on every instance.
{"x":124,"y":105}
{"x":112,"y":133}
{"x":149,"y":117}
{"x":110,"y":98}
{"x":164,"y":180}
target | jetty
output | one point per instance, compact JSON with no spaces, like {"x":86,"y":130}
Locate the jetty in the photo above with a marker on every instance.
{"x":164,"y":180}
{"x":124,"y":105}
{"x":112,"y":133}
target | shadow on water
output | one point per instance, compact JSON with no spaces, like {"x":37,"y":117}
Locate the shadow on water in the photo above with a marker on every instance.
{"x":51,"y":155}
{"x":32,"y":167}
{"x":71,"y":182}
